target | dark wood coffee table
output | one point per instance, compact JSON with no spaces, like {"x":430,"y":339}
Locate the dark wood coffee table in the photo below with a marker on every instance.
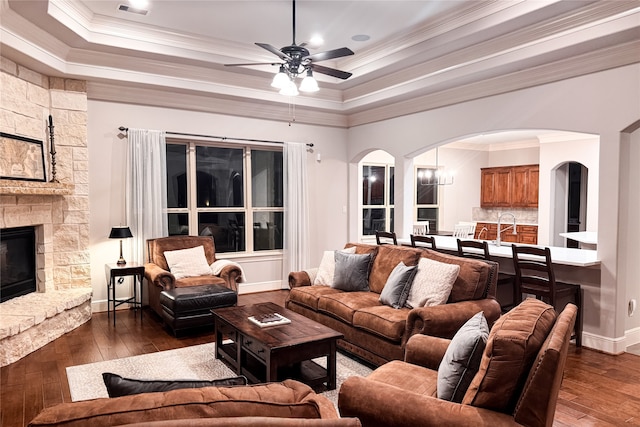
{"x":274,"y":353}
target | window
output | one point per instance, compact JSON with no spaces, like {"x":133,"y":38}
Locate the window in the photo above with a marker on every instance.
{"x":427,"y":196}
{"x":234,"y":194}
{"x":377,"y":198}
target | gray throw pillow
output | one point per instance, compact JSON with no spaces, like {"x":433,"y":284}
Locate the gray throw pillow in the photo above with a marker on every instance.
{"x":352,"y":272}
{"x":118,"y":386}
{"x":396,"y":290}
{"x":462,"y":359}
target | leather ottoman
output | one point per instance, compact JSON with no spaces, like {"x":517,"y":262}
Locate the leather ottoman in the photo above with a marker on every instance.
{"x":190,"y":307}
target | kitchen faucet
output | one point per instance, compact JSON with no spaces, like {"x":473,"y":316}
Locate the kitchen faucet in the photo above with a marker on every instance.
{"x":483,"y":230}
{"x":500,"y":230}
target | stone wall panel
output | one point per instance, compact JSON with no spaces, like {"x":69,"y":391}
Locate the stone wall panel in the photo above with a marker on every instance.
{"x":38,"y":95}
{"x":8,"y":121}
{"x":13,"y":88}
{"x":33,"y":77}
{"x":63,"y":300}
{"x":69,"y":100}
{"x":8,"y":66}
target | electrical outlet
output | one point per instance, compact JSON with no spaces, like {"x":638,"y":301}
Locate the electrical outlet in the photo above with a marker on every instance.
{"x":632,"y":307}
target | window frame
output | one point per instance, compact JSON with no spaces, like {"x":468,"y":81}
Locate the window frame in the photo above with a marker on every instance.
{"x":387,"y":206}
{"x":433,"y":227}
{"x":192,"y":209}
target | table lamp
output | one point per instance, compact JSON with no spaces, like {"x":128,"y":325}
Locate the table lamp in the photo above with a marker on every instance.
{"x":120,"y":233}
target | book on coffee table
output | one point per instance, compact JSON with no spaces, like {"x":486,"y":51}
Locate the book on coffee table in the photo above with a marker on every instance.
{"x":271,"y":319}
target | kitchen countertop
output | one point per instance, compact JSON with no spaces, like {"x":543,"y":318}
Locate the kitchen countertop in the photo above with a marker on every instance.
{"x":565,"y":256}
{"x":589,"y":237}
{"x":506,"y":222}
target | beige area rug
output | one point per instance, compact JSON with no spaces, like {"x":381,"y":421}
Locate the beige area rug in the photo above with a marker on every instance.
{"x":188,"y":363}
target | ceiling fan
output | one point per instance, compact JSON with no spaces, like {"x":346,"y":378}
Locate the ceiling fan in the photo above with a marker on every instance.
{"x":296,"y":60}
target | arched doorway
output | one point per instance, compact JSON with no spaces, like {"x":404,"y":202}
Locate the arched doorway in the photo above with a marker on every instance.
{"x":570,"y":212}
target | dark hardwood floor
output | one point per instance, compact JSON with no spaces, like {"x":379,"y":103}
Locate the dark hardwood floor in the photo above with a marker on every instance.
{"x":598,"y":389}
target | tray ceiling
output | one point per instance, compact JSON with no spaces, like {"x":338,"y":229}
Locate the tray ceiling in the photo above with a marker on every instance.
{"x":419,"y":55}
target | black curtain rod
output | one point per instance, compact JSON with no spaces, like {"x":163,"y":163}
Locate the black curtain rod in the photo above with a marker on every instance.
{"x":223,"y":138}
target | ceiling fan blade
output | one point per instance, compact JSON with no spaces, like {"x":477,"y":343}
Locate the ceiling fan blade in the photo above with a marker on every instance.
{"x":275,"y":51}
{"x":330,"y":71}
{"x":330,"y":54}
{"x":252,"y":63}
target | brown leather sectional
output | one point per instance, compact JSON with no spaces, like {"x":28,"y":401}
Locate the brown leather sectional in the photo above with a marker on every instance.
{"x":378,"y":333}
{"x":289,"y":403}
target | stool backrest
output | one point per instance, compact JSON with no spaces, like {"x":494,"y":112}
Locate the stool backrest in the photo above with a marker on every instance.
{"x":480,"y":250}
{"x":429,"y":241}
{"x":534,"y":271}
{"x":386,"y":238}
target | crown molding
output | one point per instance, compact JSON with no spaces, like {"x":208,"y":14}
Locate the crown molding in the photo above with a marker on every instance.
{"x":592,"y":62}
{"x":190,"y":101}
{"x":122,"y":34}
{"x":500,"y":55}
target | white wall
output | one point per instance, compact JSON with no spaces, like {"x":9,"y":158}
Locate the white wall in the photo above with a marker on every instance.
{"x":327,"y":181}
{"x":630,"y":229}
{"x":552,"y":155}
{"x":514,"y":157}
{"x":602,"y":103}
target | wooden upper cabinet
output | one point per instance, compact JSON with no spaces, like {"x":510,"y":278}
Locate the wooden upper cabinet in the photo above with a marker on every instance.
{"x":496,"y":187}
{"x":513,"y":186}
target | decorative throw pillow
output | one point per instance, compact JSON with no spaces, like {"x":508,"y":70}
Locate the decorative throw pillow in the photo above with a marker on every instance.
{"x":327,"y":267}
{"x":118,"y":386}
{"x":188,"y":262}
{"x":432,"y":283}
{"x":396,"y":290}
{"x":462,"y":359}
{"x":352,"y":272}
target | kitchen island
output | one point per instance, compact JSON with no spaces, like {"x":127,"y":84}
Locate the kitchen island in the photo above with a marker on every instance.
{"x":561,"y":256}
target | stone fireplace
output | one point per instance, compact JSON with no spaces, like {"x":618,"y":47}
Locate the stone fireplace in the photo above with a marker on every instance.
{"x":58,"y":211}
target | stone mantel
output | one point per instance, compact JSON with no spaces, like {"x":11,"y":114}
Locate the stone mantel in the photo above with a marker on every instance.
{"x":16,"y":187}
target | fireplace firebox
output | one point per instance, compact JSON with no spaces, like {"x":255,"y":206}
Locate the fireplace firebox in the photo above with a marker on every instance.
{"x":17,"y":262}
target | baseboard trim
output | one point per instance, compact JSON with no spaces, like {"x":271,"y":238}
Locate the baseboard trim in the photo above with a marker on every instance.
{"x":251,"y":288}
{"x":604,"y":344}
{"x":632,"y":337}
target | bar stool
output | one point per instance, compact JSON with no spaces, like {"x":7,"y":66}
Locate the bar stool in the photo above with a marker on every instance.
{"x":534,"y":276}
{"x":383,"y":237}
{"x":430,"y":241}
{"x":480,"y":250}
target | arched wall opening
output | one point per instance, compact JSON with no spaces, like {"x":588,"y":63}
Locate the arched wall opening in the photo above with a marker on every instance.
{"x":464,"y":157}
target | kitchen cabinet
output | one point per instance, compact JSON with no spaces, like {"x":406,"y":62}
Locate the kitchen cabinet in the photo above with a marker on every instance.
{"x":510,"y":186}
{"x":495,"y":187}
{"x":526,"y":234}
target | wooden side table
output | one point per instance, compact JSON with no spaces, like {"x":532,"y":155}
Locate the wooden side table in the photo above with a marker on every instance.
{"x":129,"y":269}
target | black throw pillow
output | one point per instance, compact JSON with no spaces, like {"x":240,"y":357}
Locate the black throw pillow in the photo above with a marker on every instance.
{"x":118,"y":386}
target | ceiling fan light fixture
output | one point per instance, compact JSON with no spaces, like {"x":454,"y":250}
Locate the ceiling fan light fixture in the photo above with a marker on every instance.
{"x":309,"y":84}
{"x":290,"y":89}
{"x":280,"y":80}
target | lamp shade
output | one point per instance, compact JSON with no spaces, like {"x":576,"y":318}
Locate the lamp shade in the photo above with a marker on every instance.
{"x":120,"y":233}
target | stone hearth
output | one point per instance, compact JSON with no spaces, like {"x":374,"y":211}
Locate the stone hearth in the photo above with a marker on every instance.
{"x":59,"y":211}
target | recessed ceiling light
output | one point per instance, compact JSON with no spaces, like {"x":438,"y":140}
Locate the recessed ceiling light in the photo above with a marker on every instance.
{"x":360,"y":38}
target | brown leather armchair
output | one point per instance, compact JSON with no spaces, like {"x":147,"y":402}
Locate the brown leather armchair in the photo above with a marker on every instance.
{"x":160,"y":279}
{"x":517,"y":384}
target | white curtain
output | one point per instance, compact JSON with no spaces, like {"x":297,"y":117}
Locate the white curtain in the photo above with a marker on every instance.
{"x":146,"y":196}
{"x":296,"y":209}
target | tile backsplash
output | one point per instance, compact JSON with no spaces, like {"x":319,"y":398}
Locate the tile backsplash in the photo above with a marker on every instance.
{"x":523,"y":215}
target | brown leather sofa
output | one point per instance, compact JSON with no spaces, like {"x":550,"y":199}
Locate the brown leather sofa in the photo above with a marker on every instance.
{"x":378,"y":333}
{"x":160,"y":279}
{"x":289,"y":403}
{"x":517,"y":384}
